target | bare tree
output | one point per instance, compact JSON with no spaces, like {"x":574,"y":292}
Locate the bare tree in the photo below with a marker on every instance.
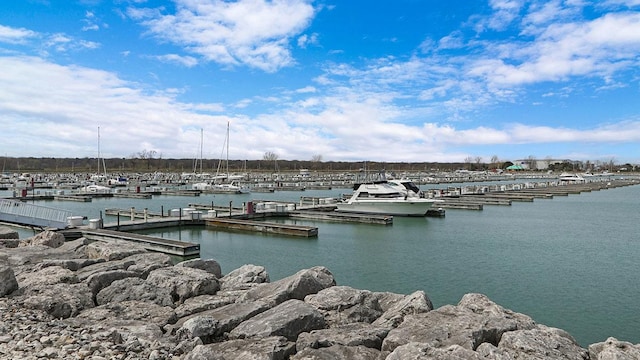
{"x":494,"y":161}
{"x":316,"y":158}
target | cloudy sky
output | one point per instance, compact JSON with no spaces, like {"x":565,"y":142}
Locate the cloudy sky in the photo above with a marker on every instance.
{"x":402,"y":80}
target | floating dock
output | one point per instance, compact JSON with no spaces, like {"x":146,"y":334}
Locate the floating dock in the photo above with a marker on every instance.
{"x":341,"y":217}
{"x":262,"y":226}
{"x":151,"y":243}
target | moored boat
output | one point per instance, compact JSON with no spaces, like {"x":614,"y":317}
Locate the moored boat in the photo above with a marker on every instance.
{"x":382,"y":198}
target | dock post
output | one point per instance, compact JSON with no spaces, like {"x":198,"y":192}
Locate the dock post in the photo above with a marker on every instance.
{"x":133,"y":213}
{"x":230,"y":208}
{"x":161,"y":210}
{"x":146,"y":214}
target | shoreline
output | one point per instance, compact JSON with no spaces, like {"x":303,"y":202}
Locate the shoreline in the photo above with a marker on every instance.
{"x":82,"y":299}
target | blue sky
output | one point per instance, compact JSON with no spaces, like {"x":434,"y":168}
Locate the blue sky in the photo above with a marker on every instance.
{"x":408,"y":80}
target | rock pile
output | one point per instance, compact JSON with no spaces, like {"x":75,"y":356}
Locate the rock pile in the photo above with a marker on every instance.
{"x":97,"y":300}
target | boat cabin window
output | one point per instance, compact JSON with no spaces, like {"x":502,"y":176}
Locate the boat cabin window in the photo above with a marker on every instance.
{"x":411,"y":186}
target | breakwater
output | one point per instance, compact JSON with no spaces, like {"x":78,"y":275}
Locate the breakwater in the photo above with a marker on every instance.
{"x":98,"y":300}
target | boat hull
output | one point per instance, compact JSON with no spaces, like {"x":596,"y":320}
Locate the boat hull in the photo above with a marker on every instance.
{"x":410,"y":207}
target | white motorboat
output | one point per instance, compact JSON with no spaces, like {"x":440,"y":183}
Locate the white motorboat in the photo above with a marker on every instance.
{"x":406,"y":186}
{"x":571,"y":177}
{"x":383,"y":198}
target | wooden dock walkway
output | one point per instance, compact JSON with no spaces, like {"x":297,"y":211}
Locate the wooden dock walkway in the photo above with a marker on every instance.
{"x":341,"y":217}
{"x":151,"y":243}
{"x":262,"y":226}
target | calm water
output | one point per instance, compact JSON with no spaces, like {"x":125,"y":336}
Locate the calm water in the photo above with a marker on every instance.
{"x":569,"y":262}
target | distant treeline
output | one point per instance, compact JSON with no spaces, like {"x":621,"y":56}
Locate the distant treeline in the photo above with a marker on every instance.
{"x":121,"y":165}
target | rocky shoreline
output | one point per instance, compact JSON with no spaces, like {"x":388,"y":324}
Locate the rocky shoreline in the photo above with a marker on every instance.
{"x":99,"y":300}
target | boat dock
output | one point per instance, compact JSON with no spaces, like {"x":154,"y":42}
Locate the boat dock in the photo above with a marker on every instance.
{"x":261,"y":226}
{"x":151,"y":243}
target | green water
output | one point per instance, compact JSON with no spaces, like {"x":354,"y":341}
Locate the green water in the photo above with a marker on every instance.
{"x":570,"y":262}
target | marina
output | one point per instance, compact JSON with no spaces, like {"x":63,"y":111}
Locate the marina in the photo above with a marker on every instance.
{"x":538,"y":257}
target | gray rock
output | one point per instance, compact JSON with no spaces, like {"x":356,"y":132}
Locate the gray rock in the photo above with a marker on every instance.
{"x":416,"y":303}
{"x":212,"y":324}
{"x":474,"y":321}
{"x":184,"y":282}
{"x":47,"y":276}
{"x":134,"y":288}
{"x":102,"y":266}
{"x":387,"y":299}
{"x":101,"y":280}
{"x":209,"y":265}
{"x":271,"y":348}
{"x":113,"y":250}
{"x":47,"y":238}
{"x":345,"y":305}
{"x":356,"y":334}
{"x":340,"y":352}
{"x":70,"y":264}
{"x":127,"y":313}
{"x":202,"y":303}
{"x":145,"y":263}
{"x":421,"y":351}
{"x":244,"y":277}
{"x":8,"y":282}
{"x":612,"y":349}
{"x":297,"y":286}
{"x":8,"y":233}
{"x":541,"y":343}
{"x":58,"y":300}
{"x":9,"y":243}
{"x":288,"y":319}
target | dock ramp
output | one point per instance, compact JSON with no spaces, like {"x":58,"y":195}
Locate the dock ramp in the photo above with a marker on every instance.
{"x":18,"y":212}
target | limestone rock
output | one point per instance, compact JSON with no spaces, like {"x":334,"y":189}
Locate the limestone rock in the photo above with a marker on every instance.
{"x":144,"y":263}
{"x":116,"y":250}
{"x":202,"y":303}
{"x":47,"y":276}
{"x":356,"y":334}
{"x":9,"y":243}
{"x":101,"y":280}
{"x":58,"y":300}
{"x":271,"y":348}
{"x":8,"y":282}
{"x":474,"y":321}
{"x":70,"y":264}
{"x":102,"y":266}
{"x":387,"y":299}
{"x":244,"y":277}
{"x":184,"y":282}
{"x":612,"y":349}
{"x":126,"y":313}
{"x":288,"y":319}
{"x":416,"y":303}
{"x":8,"y":233}
{"x":209,"y":265}
{"x":47,"y":238}
{"x":211,"y":324}
{"x":421,"y":351}
{"x":134,"y":288}
{"x":340,"y":352}
{"x":297,"y":286}
{"x":541,"y":343}
{"x":345,"y":305}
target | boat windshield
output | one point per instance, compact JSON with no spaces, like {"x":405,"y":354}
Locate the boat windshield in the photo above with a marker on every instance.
{"x":411,"y":186}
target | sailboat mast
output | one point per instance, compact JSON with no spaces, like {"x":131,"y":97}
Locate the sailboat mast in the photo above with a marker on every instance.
{"x":98,"y":149}
{"x":227,"y":150}
{"x":201,"y":144}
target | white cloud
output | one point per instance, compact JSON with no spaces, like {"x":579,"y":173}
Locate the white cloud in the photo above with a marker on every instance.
{"x":187,"y":61}
{"x":255,"y":33}
{"x":15,"y":36}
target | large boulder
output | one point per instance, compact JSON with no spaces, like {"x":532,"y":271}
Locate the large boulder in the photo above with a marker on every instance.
{"x":416,"y":303}
{"x":297,"y":286}
{"x":341,"y":352}
{"x":144,"y":263}
{"x":8,"y":233}
{"x":612,"y":349}
{"x":475,"y":320}
{"x":212,"y":324}
{"x":8,"y":282}
{"x":127,"y":313}
{"x":60,"y":300}
{"x":70,"y":264}
{"x":202,"y":303}
{"x":356,"y":334}
{"x":101,"y":280}
{"x":288,"y":319}
{"x":47,"y":276}
{"x":112,"y":250}
{"x":422,"y":351}
{"x":271,"y":348}
{"x":133,"y":288}
{"x":209,"y":265}
{"x":541,"y":343}
{"x":184,"y":282}
{"x":345,"y":305}
{"x":47,"y":238}
{"x":244,"y":277}
{"x":102,"y":266}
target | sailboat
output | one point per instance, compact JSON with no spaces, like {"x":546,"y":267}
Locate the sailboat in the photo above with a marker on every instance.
{"x":225,"y":182}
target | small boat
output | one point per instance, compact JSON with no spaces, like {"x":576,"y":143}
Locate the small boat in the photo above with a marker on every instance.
{"x":406,"y":186}
{"x":571,"y":177}
{"x":385,"y":199}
